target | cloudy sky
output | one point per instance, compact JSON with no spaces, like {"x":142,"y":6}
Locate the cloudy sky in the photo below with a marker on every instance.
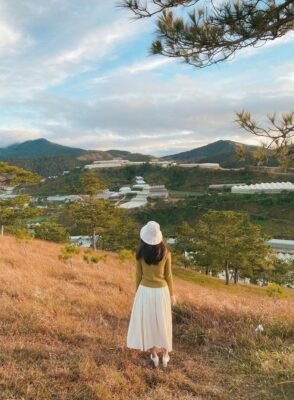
{"x":78,"y":73}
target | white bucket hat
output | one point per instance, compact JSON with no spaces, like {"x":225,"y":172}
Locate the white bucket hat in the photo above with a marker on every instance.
{"x":151,"y":233}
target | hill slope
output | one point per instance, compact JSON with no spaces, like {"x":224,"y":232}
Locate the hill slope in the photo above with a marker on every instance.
{"x":63,"y":332}
{"x":47,"y":158}
{"x":37,"y":149}
{"x":221,"y":151}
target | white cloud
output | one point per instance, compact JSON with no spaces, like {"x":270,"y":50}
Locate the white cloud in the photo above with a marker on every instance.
{"x":96,"y":44}
{"x":252,"y":51}
{"x":77,"y":76}
{"x":148,"y":65}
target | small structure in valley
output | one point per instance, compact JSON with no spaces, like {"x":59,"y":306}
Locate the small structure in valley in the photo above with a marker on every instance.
{"x":82,"y":240}
{"x":273,"y":187}
{"x":159,"y":192}
{"x":284,"y":249}
{"x":65,"y":198}
{"x":200,"y":165}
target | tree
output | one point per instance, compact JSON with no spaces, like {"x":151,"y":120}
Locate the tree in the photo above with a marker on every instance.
{"x":67,"y":253}
{"x":232,"y":244}
{"x":283,"y":272}
{"x":241,"y":152}
{"x":279,"y":136}
{"x":260,"y":155}
{"x":122,"y":234}
{"x":90,"y":183}
{"x":16,"y":211}
{"x":184,"y":241}
{"x":93,"y":258}
{"x":23,"y":236}
{"x":202,"y":36}
{"x":93,"y":217}
{"x":52,"y":232}
{"x":12,"y":176}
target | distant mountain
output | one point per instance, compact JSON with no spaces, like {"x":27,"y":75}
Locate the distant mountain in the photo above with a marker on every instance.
{"x":221,"y":151}
{"x":96,"y":155}
{"x":38,"y":148}
{"x":47,"y":158}
{"x":126,"y":155}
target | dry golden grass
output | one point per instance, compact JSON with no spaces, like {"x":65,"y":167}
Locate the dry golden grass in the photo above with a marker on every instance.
{"x":63,"y":333}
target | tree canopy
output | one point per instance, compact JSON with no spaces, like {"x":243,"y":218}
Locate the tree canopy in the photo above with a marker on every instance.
{"x":16,"y":210}
{"x":205,"y":33}
{"x":11,"y":175}
{"x":227,"y":241}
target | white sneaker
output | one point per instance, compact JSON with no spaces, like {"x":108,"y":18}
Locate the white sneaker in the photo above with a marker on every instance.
{"x":165,"y":360}
{"x":155,"y":360}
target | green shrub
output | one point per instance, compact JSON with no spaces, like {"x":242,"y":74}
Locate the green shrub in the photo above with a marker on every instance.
{"x":276,"y":291}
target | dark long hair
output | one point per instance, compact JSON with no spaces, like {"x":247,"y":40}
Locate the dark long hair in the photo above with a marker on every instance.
{"x":152,"y":254}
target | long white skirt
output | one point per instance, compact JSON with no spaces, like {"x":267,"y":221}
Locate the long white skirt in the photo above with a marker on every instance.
{"x":151,"y":319}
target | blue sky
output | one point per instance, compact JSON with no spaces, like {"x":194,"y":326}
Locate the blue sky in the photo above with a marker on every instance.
{"x":78,"y":73}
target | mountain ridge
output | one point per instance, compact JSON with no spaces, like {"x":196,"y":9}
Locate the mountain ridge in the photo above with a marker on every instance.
{"x":222,"y":152}
{"x":219,"y":151}
{"x":38,"y":148}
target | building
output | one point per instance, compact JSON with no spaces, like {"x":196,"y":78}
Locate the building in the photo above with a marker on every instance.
{"x":282,"y":245}
{"x":66,"y":198}
{"x":139,"y":201}
{"x":200,"y":165}
{"x":84,"y":241}
{"x":8,"y":196}
{"x":283,"y":248}
{"x":105,"y":164}
{"x":163,"y":164}
{"x":112,"y":164}
{"x":125,"y":190}
{"x":159,"y":191}
{"x":140,"y":182}
{"x":273,"y":187}
{"x":141,"y":186}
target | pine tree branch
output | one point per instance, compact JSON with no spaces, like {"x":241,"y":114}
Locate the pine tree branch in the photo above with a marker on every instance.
{"x":206,"y":36}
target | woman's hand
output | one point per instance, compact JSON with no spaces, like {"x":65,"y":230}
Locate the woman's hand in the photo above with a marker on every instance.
{"x":173,"y":300}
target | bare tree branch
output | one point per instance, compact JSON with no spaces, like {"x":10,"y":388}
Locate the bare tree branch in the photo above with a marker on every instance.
{"x":279,"y":135}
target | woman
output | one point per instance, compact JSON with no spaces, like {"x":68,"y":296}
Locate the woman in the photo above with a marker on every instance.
{"x":150,"y":327}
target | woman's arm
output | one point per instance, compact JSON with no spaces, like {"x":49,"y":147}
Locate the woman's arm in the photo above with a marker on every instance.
{"x":168,"y":275}
{"x":138,"y":273}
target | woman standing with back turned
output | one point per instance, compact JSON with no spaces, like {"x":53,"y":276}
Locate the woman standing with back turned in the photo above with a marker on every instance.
{"x":150,"y":327}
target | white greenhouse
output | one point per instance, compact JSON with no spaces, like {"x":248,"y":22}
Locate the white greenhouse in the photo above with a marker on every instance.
{"x":273,"y":187}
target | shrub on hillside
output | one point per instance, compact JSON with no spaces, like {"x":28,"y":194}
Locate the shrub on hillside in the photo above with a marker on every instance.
{"x":276,"y":291}
{"x":52,"y":232}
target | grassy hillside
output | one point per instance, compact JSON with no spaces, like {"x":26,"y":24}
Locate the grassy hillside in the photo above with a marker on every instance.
{"x":63,"y":333}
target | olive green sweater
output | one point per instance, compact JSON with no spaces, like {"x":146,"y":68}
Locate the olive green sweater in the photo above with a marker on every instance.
{"x":155,"y":275}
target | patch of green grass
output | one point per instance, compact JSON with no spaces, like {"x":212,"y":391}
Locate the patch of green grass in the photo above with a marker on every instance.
{"x":189,"y":275}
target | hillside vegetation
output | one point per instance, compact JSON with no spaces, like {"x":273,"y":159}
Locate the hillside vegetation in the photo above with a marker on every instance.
{"x":274,"y":212}
{"x":63,"y":333}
